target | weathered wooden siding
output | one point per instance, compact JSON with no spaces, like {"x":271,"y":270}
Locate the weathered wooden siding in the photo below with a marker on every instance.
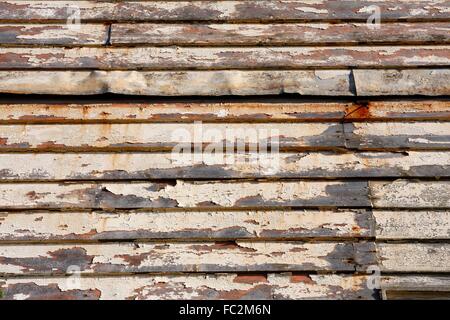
{"x":331,"y":140}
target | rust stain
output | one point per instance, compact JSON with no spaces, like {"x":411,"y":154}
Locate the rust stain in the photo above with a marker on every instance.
{"x":250,"y":278}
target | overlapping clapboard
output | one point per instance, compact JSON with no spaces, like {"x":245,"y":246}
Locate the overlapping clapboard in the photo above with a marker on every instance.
{"x":91,"y":182}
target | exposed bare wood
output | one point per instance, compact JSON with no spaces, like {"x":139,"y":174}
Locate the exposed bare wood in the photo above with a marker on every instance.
{"x":402,"y":82}
{"x":390,"y":135}
{"x":185,"y":195}
{"x":278,"y":34}
{"x":399,"y":111}
{"x":414,"y":257}
{"x":394,"y":225}
{"x":182,"y":58}
{"x":189,"y":111}
{"x":416,"y":283}
{"x":130,"y":225}
{"x":265,"y":10}
{"x":51,"y":34}
{"x":182,"y":83}
{"x":139,"y":166}
{"x":166,"y":257}
{"x":191,"y":287}
{"x":174,"y":137}
{"x":410,"y":194}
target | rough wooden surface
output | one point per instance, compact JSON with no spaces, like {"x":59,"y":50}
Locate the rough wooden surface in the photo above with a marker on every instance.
{"x":385,"y":135}
{"x":181,"y":58}
{"x":410,"y":194}
{"x":277,"y":34}
{"x":414,"y":257}
{"x":196,"y":287}
{"x":265,"y":10}
{"x":398,"y":225}
{"x":236,"y":256}
{"x":278,"y":110}
{"x":177,"y":137}
{"x":182,"y":83}
{"x":170,"y":137}
{"x":402,"y":82}
{"x":183,"y":194}
{"x":427,"y":82}
{"x":90,"y":182}
{"x":140,"y":166}
{"x":208,"y":225}
{"x":51,"y":34}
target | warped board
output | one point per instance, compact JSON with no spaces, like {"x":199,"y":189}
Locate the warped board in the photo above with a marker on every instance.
{"x":168,"y":257}
{"x":196,"y":287}
{"x":426,"y":225}
{"x":410,"y":194}
{"x":427,"y":82}
{"x":171,"y":137}
{"x":83,"y":226}
{"x":182,"y":194}
{"x":194,"y":58}
{"x":277,"y":34}
{"x":265,"y":10}
{"x":181,"y":83}
{"x":414,"y":257}
{"x":140,"y":166}
{"x":278,"y":110}
{"x":389,"y":135}
{"x":50,"y":34}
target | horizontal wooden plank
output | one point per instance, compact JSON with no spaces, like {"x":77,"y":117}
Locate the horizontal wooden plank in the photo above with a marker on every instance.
{"x":167,"y":257}
{"x":131,"y":225}
{"x":402,"y":82}
{"x":394,"y":225}
{"x":183,"y":58}
{"x":410,"y":194}
{"x":140,"y":166}
{"x":182,"y":137}
{"x":415,"y":287}
{"x":278,"y":34}
{"x":177,"y":137}
{"x":408,"y":135}
{"x":182,"y":83}
{"x":414,"y":257}
{"x":420,"y":110}
{"x":265,"y":10}
{"x":182,"y":194}
{"x":51,"y":34}
{"x":191,"y":287}
{"x":416,"y":283}
{"x":210,"y":111}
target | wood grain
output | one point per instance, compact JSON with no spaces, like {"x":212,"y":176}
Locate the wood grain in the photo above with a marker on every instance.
{"x":183,"y":194}
{"x":191,"y":287}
